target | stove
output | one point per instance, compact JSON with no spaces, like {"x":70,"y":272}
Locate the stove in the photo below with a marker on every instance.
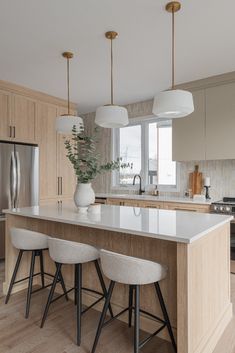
{"x":224,"y":206}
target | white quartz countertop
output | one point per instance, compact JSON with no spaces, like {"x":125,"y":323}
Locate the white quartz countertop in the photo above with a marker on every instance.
{"x":178,"y":226}
{"x":146,"y":197}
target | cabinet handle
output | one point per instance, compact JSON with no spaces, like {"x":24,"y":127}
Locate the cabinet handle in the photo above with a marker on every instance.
{"x":10,"y":131}
{"x":58,"y":185}
{"x":184,"y":209}
{"x":61,"y":185}
{"x":14,"y":130}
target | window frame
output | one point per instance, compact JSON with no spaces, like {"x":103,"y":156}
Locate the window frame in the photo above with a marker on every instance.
{"x":115,"y":152}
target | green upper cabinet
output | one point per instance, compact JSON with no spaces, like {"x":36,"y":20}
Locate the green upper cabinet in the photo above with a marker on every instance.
{"x":188,"y":133}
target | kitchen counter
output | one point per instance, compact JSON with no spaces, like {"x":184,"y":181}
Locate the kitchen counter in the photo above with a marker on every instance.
{"x":178,"y":226}
{"x":146,"y":197}
{"x":195,"y":247}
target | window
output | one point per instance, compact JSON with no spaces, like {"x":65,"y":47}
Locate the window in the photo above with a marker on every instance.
{"x":147,"y":146}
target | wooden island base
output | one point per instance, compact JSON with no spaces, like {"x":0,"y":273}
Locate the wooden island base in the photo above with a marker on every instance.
{"x":196,"y":290}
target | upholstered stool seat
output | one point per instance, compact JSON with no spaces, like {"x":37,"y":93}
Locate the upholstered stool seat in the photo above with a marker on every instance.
{"x":65,"y":252}
{"x":131,"y":270}
{"x":70,"y":252}
{"x":24,"y":239}
{"x":134,"y":272}
{"x":29,"y":241}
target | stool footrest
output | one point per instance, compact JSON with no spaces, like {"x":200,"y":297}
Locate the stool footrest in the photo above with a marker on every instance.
{"x":115,"y":317}
{"x":147,"y":339}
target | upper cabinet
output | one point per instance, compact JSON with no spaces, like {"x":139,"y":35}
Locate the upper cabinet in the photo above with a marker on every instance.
{"x":220,"y":122}
{"x":5,"y":114}
{"x":208,"y":133}
{"x":188,"y":134}
{"x":23,"y":118}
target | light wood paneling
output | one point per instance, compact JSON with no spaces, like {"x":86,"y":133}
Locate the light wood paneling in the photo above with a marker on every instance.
{"x":46,"y":137}
{"x":5,"y":114}
{"x":203,"y":270}
{"x":188,"y":134}
{"x":220,"y":122}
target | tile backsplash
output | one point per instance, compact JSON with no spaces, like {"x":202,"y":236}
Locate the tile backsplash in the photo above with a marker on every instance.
{"x":221,"y":173}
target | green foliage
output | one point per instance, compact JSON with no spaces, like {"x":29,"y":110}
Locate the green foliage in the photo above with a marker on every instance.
{"x":81,"y":151}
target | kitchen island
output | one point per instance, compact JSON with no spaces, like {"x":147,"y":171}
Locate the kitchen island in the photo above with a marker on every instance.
{"x":194,"y":246}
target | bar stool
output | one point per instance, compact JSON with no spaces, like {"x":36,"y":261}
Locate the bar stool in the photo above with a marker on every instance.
{"x":26,"y":240}
{"x":133,"y":272}
{"x":74,"y":253}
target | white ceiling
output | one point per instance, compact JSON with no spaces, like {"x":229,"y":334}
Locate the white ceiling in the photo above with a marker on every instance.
{"x":33,"y":33}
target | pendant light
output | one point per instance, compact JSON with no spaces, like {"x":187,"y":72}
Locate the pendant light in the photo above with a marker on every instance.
{"x":111,"y":115}
{"x":174,"y":103}
{"x":66,"y":122}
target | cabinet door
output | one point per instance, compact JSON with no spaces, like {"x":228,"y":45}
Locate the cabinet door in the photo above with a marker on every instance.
{"x":220,"y":122}
{"x":188,"y":133}
{"x":65,"y":171}
{"x":46,"y":137}
{"x":23,"y":118}
{"x":5,"y":104}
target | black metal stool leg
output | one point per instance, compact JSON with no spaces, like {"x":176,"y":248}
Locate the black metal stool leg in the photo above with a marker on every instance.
{"x":137,"y":320}
{"x":14,"y":276}
{"x":55,"y":280}
{"x":165,"y":314}
{"x":30,"y":285}
{"x":101,"y":279}
{"x":78,"y":292}
{"x":42,"y":268}
{"x":61,"y":279}
{"x":102,"y":318}
{"x":130,"y":305}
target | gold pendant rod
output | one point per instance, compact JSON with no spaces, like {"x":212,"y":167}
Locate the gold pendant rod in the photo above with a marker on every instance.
{"x":173,"y":49}
{"x":68,"y":83}
{"x":111,"y":71}
{"x":68,"y":55}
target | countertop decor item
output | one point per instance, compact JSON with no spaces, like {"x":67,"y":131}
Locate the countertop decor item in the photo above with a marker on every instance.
{"x":195,"y":181}
{"x":111,"y":115}
{"x":174,"y":103}
{"x":81,"y":152}
{"x":65,"y":123}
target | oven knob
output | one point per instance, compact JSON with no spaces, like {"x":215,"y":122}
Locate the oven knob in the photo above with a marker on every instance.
{"x":221,"y":208}
{"x":216,"y":208}
{"x":227,"y":209}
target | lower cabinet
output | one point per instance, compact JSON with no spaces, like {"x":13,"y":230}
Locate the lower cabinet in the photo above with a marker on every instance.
{"x":179,"y":206}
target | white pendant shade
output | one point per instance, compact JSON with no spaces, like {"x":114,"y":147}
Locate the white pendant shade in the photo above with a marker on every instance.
{"x":65,"y":124}
{"x":173,"y":104}
{"x":111,"y":116}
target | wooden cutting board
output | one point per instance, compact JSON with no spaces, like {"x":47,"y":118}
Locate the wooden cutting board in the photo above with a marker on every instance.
{"x":195,"y":181}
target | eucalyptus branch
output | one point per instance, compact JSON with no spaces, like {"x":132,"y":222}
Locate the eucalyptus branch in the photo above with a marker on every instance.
{"x":81,"y":152}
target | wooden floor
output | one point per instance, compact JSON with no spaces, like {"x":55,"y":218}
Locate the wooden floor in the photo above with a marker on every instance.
{"x":18,"y":335}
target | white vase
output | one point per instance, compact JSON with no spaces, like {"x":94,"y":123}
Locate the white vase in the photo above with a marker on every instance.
{"x":84,"y":195}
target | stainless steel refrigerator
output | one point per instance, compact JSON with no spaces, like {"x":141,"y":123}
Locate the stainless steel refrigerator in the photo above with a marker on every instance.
{"x":19,"y":175}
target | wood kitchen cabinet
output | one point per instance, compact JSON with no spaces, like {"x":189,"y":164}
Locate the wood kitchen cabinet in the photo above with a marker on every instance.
{"x":65,"y":172}
{"x":47,"y":139}
{"x":188,"y":133}
{"x":23,"y":118}
{"x":5,"y":114}
{"x":167,"y":205}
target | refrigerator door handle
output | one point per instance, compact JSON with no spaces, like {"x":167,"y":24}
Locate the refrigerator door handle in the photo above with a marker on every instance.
{"x":18,"y":178}
{"x":13,"y":181}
